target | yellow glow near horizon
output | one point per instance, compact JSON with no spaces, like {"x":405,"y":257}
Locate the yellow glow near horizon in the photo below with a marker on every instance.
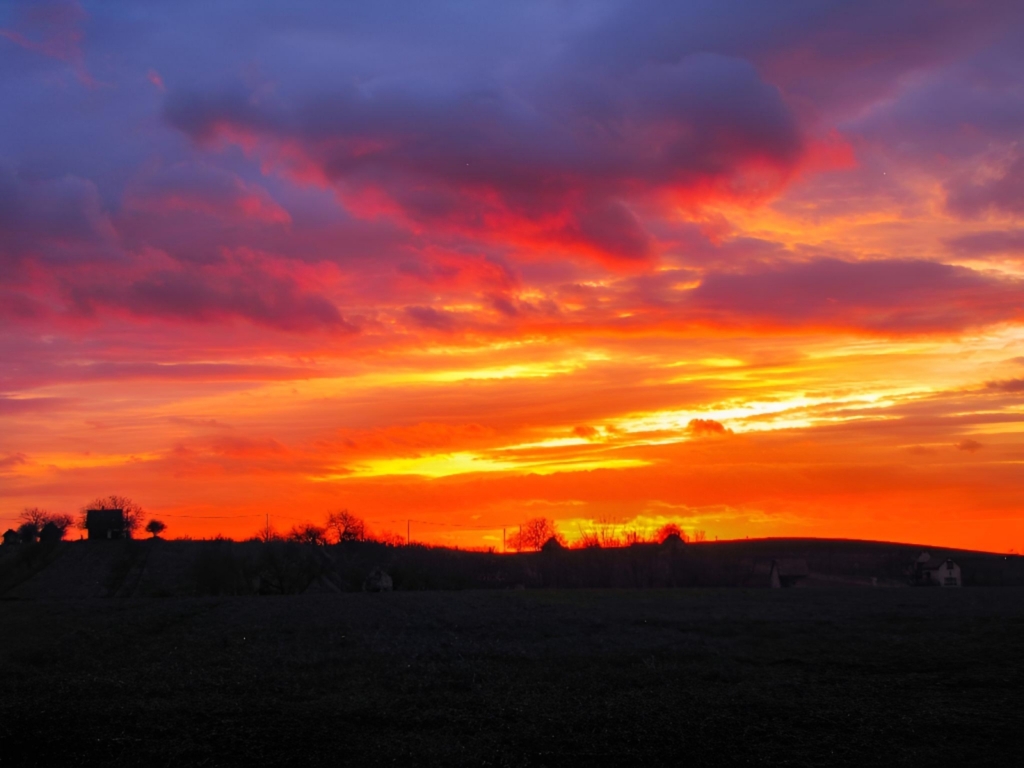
{"x":467,"y":462}
{"x":739,"y":416}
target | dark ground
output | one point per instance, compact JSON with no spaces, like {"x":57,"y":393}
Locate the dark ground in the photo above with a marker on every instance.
{"x":790,"y":677}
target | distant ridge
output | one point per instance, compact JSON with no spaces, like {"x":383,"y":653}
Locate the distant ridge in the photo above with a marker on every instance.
{"x":158,"y":568}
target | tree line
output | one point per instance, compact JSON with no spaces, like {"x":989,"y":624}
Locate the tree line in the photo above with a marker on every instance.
{"x":338,"y":527}
{"x":537,"y":532}
{"x":343,"y":526}
{"x":36,"y":523}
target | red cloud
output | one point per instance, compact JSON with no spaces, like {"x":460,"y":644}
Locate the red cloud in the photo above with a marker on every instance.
{"x":706,"y":427}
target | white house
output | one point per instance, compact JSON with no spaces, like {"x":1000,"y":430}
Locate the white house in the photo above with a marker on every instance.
{"x":935,"y":572}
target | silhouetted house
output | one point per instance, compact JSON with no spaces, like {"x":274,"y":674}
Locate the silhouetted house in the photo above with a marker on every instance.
{"x":789,"y":572}
{"x":11,"y":536}
{"x":105,"y":524}
{"x":552,"y":545}
{"x":50,"y":532}
{"x":936,"y":572}
{"x":673,"y":542}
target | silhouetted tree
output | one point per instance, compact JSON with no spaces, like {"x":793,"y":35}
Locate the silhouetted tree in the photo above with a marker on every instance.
{"x":608,"y":532}
{"x":133,"y":512}
{"x":345,"y":526}
{"x":269,"y":534}
{"x":155,"y":527}
{"x":307,"y":533}
{"x":28,"y":533}
{"x":37,"y":519}
{"x":534,"y":533}
{"x":635,"y":536}
{"x":34,"y":516}
{"x":699,"y":535}
{"x":50,"y":533}
{"x":63,"y":522}
{"x":588,"y":540}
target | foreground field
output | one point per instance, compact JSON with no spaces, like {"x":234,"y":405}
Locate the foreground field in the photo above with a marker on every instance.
{"x":791,"y":677}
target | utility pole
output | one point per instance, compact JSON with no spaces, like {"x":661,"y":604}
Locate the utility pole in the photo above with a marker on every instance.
{"x":503,"y":541}
{"x":408,"y":539}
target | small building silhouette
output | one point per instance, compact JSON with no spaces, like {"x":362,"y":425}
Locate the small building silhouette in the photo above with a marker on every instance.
{"x":11,"y":536}
{"x":935,"y":572}
{"x":552,"y":545}
{"x":105,"y":524}
{"x":673,"y":542}
{"x":789,"y":572}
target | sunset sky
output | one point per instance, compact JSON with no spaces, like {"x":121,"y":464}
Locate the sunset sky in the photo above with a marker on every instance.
{"x":757,"y":268}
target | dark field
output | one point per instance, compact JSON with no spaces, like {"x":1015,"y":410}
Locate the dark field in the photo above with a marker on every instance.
{"x":791,"y":677}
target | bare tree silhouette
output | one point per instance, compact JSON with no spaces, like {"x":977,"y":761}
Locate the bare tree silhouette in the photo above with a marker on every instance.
{"x":588,"y":539}
{"x":307,"y":533}
{"x":267,"y":533}
{"x":34,"y":519}
{"x":345,"y":526}
{"x":534,"y":534}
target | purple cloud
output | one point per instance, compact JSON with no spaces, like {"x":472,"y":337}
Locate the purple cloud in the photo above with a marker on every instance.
{"x":993,"y":242}
{"x":1003,"y":194}
{"x":277,"y":303}
{"x":887,"y":296}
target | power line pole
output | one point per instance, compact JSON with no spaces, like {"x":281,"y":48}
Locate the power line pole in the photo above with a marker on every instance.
{"x":408,"y":538}
{"x":503,"y":549}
